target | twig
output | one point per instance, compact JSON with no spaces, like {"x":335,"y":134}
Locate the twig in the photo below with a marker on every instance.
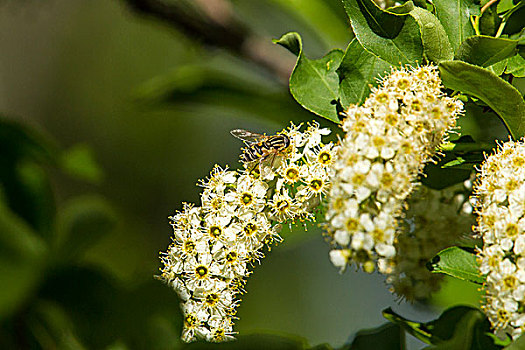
{"x":213,"y":23}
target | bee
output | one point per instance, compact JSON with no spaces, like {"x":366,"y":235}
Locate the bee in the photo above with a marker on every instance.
{"x":261,"y":147}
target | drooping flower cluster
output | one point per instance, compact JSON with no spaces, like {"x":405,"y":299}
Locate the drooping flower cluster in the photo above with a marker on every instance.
{"x":388,"y":140}
{"x":435,"y":220}
{"x":500,"y":205}
{"x":216,"y":244}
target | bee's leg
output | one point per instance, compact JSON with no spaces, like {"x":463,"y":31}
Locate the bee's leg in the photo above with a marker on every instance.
{"x":253,"y":168}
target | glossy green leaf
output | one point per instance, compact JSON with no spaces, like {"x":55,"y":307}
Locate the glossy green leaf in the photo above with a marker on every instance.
{"x":22,"y":261}
{"x":389,"y":336}
{"x":358,"y":71}
{"x":461,"y":328}
{"x":455,"y":17}
{"x":82,"y":223}
{"x":314,"y":83}
{"x":459,"y":263}
{"x":458,"y":328}
{"x":436,"y":45}
{"x":505,"y":5}
{"x":79,"y":161}
{"x":516,"y":66}
{"x":498,"y":68}
{"x":394,"y":38}
{"x":499,"y":95}
{"x":416,"y":329}
{"x":485,"y":50}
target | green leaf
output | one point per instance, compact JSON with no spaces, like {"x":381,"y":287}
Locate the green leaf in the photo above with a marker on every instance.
{"x":461,"y":328}
{"x":485,"y":50}
{"x":358,"y":71}
{"x":458,"y":328}
{"x":518,"y":344}
{"x":82,"y":223}
{"x":416,"y":329}
{"x":498,"y":68}
{"x":89,"y":297}
{"x":386,"y":337}
{"x":505,"y":5}
{"x":25,"y":183}
{"x":514,"y":19}
{"x":499,"y":95}
{"x":436,"y":45}
{"x":79,"y":161}
{"x":489,"y":21}
{"x":51,"y":327}
{"x":459,"y":263}
{"x":516,"y":66}
{"x":455,"y":17}
{"x":321,"y":16}
{"x":202,"y":85}
{"x":22,"y":261}
{"x":395,"y":38}
{"x":17,"y":141}
{"x":314,"y":83}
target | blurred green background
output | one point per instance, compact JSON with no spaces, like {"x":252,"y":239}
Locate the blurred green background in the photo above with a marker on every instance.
{"x":111,"y":117}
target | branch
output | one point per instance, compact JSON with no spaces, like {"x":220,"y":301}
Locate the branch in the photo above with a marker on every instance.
{"x":213,"y":23}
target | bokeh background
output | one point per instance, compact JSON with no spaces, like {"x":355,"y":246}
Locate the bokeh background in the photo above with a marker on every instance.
{"x":111,"y":116}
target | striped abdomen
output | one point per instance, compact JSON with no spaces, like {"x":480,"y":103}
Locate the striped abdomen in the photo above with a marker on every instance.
{"x":262,"y":149}
{"x":277,"y":142}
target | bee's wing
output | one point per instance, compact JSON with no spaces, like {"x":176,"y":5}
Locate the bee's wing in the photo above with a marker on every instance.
{"x":247,"y":136}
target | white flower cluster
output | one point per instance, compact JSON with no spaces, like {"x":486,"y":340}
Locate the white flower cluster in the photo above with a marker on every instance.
{"x":388,"y":140}
{"x":500,"y":205}
{"x":215,"y":245}
{"x":435,"y":220}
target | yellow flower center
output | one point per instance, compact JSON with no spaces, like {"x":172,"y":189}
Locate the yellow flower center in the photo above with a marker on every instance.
{"x":231,"y":257}
{"x":215,"y":231}
{"x":190,"y":321}
{"x":382,"y":97}
{"x":352,"y":224}
{"x":403,"y":83}
{"x":316,"y":185}
{"x":510,"y":282}
{"x":358,"y":179}
{"x":246,"y":198}
{"x":378,"y":235}
{"x":282,"y":205}
{"x":201,"y":271}
{"x":512,"y":230}
{"x":189,"y":247}
{"x":387,"y":179}
{"x":391,"y":119}
{"x":324,"y":158}
{"x":250,"y":228}
{"x":292,"y":174}
{"x":211,"y":299}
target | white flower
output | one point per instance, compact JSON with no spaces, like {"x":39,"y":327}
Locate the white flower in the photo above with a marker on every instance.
{"x":499,"y":203}
{"x":387,"y":142}
{"x":215,"y":246}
